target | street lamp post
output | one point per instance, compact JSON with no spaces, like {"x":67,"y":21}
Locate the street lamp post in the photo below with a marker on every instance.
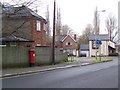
{"x":96,"y":20}
{"x":97,"y":28}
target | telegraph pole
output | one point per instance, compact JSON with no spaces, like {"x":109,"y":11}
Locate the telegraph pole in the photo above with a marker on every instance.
{"x":53,"y":44}
{"x":96,"y":31}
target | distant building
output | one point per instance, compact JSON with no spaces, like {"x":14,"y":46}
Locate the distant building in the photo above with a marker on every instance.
{"x":84,"y":50}
{"x":23,"y":27}
{"x":118,"y":46}
{"x":104,"y":49}
{"x":67,"y":43}
{"x":118,"y":41}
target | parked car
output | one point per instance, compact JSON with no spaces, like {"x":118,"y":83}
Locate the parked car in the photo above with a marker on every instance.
{"x":82,"y":55}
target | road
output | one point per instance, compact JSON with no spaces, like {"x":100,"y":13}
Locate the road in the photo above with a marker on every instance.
{"x":102,"y":75}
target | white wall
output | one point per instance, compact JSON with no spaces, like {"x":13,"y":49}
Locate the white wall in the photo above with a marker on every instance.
{"x":103,"y":49}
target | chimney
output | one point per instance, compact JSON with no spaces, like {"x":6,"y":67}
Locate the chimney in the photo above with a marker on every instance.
{"x":75,"y":36}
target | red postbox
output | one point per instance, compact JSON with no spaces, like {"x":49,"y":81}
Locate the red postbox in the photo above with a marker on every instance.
{"x":32,"y":56}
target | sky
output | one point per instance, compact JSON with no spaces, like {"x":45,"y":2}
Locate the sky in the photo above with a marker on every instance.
{"x":77,"y":13}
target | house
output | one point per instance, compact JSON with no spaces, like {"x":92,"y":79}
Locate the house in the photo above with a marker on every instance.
{"x":84,"y":50}
{"x":118,"y":46}
{"x":67,"y":43}
{"x":98,"y":49}
{"x":118,"y":42}
{"x":111,"y":48}
{"x":22,"y":26}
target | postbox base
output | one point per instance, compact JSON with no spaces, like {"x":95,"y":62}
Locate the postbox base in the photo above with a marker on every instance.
{"x":32,"y":64}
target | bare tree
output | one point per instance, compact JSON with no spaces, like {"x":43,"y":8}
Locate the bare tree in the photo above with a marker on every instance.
{"x":111,"y":24}
{"x":58,"y":22}
{"x":30,"y":3}
{"x":18,"y":3}
{"x":84,"y":38}
{"x":66,"y":30}
{"x":48,"y":31}
{"x":48,"y":22}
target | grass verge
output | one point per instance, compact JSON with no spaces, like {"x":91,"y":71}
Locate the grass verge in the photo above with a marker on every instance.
{"x":102,"y":60}
{"x":71,"y":59}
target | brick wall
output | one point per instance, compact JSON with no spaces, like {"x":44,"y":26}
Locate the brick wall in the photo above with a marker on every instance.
{"x":27,"y":44}
{"x":69,"y":39}
{"x":118,"y":48}
{"x":39,"y":36}
{"x":26,"y":28}
{"x":21,"y":27}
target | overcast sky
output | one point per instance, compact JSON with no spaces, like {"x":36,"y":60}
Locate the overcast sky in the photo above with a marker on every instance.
{"x":78,"y":13}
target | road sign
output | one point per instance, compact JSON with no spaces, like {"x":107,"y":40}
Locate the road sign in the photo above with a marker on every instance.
{"x":99,"y":42}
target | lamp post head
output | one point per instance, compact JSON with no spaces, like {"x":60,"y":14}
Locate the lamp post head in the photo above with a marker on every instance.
{"x":103,"y":11}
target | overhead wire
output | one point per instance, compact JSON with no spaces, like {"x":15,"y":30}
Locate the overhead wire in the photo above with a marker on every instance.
{"x":27,"y":4}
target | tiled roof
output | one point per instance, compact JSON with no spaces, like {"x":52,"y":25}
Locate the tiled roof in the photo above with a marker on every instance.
{"x":103,"y":37}
{"x":13,"y":38}
{"x":70,"y":37}
{"x":22,"y":11}
{"x":59,"y":37}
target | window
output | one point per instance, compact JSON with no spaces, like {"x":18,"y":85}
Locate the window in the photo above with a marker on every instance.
{"x":95,"y":44}
{"x":38,"y":44}
{"x":2,"y":44}
{"x":38,"y":25}
{"x":69,"y":51}
{"x":68,"y":43}
{"x":44,"y":27}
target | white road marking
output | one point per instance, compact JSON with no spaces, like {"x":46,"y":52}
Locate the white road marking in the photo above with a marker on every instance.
{"x":84,"y":63}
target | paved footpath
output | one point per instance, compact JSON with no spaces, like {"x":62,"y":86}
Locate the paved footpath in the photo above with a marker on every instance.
{"x":21,"y":71}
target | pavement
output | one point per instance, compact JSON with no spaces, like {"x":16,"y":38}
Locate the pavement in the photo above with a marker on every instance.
{"x":82,"y":61}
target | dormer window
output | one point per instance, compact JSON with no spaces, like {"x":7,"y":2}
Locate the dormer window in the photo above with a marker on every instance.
{"x":68,"y":43}
{"x":38,"y":25}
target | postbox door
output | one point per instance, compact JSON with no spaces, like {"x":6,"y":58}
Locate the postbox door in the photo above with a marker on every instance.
{"x":32,"y":56}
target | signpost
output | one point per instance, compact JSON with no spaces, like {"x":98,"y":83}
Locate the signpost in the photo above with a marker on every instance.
{"x":100,"y":43}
